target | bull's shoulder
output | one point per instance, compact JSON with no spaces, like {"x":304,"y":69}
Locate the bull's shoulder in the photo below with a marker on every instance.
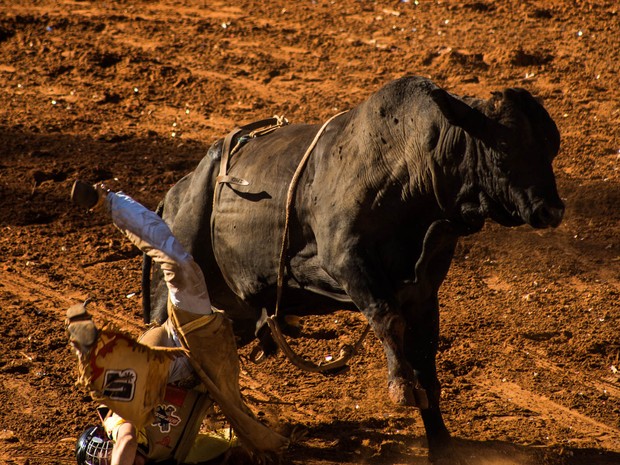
{"x":403,"y":90}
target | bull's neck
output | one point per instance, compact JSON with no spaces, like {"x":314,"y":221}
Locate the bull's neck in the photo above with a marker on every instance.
{"x":454,"y":164}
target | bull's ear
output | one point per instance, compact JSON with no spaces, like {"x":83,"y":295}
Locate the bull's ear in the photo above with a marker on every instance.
{"x":459,"y":113}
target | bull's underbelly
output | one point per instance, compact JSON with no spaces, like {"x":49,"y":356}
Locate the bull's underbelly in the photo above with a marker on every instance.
{"x":250,"y":266}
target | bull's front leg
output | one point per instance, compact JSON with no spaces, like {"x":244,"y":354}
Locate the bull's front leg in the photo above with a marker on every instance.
{"x":420,"y":306}
{"x":389,"y":326}
{"x":410,"y":338}
{"x":372,"y":293}
{"x":421,"y":344}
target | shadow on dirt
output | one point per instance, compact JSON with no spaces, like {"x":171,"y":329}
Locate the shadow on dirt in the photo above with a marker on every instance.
{"x":373,"y":447}
{"x":585,"y":457}
{"x":37,"y":167}
{"x":506,"y":453}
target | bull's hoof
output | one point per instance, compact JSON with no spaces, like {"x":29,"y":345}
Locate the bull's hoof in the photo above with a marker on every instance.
{"x":404,"y":393}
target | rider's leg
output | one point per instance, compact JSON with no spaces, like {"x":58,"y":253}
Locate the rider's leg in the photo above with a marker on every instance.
{"x":184,"y":278}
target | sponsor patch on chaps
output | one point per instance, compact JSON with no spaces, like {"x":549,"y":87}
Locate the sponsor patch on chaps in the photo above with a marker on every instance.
{"x":165,"y":417}
{"x":120,"y":385}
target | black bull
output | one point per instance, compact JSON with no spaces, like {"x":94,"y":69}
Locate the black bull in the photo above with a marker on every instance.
{"x":378,"y":210}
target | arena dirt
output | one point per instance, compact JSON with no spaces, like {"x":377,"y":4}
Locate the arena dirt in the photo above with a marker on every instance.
{"x":134,"y":92}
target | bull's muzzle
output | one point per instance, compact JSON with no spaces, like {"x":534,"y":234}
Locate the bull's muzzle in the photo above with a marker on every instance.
{"x":544,"y":215}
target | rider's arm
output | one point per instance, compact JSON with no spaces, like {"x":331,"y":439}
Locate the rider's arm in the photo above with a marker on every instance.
{"x":125,"y":450}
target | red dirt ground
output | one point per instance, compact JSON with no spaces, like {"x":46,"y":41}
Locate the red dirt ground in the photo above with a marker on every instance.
{"x":135,"y":92}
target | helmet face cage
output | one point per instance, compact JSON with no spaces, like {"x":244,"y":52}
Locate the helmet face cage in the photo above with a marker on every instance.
{"x":94,"y":447}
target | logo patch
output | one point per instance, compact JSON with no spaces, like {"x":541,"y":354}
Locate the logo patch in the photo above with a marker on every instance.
{"x":120,"y":385}
{"x":165,"y":417}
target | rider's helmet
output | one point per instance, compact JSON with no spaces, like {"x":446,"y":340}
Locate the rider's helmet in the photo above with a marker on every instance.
{"x":94,"y":447}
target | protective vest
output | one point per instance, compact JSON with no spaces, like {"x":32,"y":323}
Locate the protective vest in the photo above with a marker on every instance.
{"x":175,"y":424}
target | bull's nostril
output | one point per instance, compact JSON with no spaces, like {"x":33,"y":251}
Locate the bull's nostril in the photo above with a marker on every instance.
{"x":544,"y":216}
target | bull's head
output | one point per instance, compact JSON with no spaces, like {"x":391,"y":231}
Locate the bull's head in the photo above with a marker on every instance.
{"x":510,"y":162}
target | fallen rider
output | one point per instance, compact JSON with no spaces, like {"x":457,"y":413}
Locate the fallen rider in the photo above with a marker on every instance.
{"x":150,"y":384}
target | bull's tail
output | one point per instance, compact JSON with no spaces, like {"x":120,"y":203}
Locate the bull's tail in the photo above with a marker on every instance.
{"x":146,"y":277}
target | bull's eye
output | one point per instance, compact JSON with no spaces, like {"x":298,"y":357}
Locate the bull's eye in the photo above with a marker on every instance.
{"x":503,"y":146}
{"x":498,"y":157}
